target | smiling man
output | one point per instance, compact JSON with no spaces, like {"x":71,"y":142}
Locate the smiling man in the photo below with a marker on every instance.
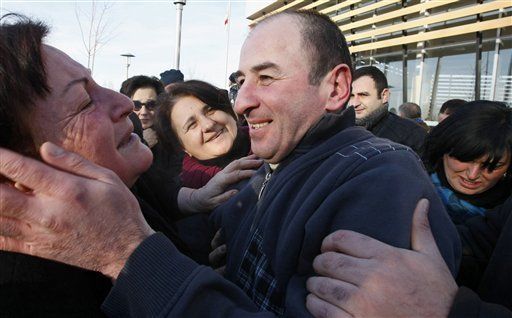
{"x":321,"y":174}
{"x":370,"y":97}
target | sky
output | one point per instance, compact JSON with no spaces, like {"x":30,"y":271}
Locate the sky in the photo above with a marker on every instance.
{"x":147,"y":29}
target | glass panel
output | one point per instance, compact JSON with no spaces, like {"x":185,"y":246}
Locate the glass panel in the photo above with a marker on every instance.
{"x":456,"y":79}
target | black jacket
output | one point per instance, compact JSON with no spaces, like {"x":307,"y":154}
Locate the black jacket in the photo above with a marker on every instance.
{"x":486,"y":265}
{"x":401,"y":130}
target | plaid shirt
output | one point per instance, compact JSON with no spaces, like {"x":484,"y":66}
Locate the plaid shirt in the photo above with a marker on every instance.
{"x":256,"y":278}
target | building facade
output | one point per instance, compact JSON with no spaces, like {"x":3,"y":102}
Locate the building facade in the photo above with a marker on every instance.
{"x":430,"y":50}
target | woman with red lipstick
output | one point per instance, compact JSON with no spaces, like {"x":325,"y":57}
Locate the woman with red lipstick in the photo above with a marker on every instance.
{"x":469,"y":156}
{"x":198,"y":117}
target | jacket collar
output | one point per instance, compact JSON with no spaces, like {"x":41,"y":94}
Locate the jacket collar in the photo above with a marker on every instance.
{"x":327,"y":126}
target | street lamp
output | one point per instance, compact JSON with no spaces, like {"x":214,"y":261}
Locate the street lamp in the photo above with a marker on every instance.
{"x":179,"y":10}
{"x":128,"y":57}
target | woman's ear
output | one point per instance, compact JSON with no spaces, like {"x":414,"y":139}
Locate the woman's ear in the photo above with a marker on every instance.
{"x":338,"y":82}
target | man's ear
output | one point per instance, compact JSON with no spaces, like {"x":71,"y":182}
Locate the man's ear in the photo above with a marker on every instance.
{"x":385,"y":95}
{"x":338,"y":82}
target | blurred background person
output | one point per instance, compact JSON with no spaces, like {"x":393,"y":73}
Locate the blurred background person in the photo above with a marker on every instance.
{"x":169,"y":77}
{"x":369,"y":97}
{"x":449,"y":107}
{"x":468,"y":155}
{"x":412,"y":111}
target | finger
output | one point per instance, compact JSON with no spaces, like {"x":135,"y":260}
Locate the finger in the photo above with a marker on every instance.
{"x":422,"y":239}
{"x":25,"y":171}
{"x":74,"y":163}
{"x":343,"y":267}
{"x":218,"y":239}
{"x":13,"y":203}
{"x":10,"y":227}
{"x":221,"y":198}
{"x":244,"y":164}
{"x":13,"y":245}
{"x":221,"y":270}
{"x":355,"y":244}
{"x":334,"y":291}
{"x":218,"y":256}
{"x":237,"y":176}
{"x":319,"y":308}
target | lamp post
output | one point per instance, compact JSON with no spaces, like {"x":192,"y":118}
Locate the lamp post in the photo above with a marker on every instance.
{"x":179,"y":10}
{"x":128,"y":57}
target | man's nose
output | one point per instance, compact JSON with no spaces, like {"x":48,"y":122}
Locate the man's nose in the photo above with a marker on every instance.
{"x":353,"y":101}
{"x":246,"y":99}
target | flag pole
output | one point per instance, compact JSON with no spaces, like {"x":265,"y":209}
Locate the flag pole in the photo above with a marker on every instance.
{"x":227,"y":22}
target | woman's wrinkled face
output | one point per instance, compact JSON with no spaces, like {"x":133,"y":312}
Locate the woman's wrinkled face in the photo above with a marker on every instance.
{"x":83,"y":117}
{"x":471,"y":177}
{"x":205,"y":133}
{"x":144,"y":100}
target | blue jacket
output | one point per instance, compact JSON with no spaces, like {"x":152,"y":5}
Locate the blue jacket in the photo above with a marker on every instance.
{"x":338,"y":177}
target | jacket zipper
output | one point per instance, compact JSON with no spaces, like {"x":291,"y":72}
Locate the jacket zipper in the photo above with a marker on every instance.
{"x":264,"y":184}
{"x":260,"y":194}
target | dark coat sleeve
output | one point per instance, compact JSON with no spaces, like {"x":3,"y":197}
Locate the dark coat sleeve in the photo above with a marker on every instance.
{"x":479,"y":236}
{"x":158,"y":281}
{"x":468,"y":304}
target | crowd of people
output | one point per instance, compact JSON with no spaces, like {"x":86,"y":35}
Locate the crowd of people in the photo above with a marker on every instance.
{"x":296,"y":193}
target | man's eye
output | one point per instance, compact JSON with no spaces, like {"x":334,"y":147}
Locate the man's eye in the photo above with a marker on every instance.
{"x":240,"y":81}
{"x":265,"y":79}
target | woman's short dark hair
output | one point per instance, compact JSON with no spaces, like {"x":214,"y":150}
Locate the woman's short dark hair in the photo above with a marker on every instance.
{"x":476,"y":129}
{"x":207,"y":93}
{"x":131,"y":85}
{"x":22,"y":79}
{"x":451,"y":105}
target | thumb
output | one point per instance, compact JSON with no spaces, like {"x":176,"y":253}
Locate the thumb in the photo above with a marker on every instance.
{"x":73,"y":163}
{"x":422,"y":239}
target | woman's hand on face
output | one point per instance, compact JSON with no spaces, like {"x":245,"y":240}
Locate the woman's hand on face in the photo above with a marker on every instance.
{"x":214,"y":192}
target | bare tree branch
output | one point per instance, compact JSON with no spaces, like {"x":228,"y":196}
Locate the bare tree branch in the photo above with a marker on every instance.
{"x":99,"y":30}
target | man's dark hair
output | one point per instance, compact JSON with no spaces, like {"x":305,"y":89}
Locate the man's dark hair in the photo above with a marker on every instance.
{"x":207,"y":93}
{"x":22,"y":79}
{"x":322,"y":39}
{"x":479,"y":128}
{"x":410,"y":110}
{"x":129,"y":86}
{"x":380,"y":80}
{"x":451,"y":105}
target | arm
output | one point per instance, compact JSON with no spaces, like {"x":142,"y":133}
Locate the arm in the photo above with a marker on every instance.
{"x":365,"y":277}
{"x":479,"y":236}
{"x":70,"y":217}
{"x":215,"y":191}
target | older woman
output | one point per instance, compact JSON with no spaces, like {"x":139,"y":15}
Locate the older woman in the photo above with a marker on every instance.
{"x":469,"y":155}
{"x":47,"y":96}
{"x":198,"y":118}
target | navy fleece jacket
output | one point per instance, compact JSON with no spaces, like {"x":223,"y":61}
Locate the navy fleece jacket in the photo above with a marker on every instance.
{"x":338,"y":177}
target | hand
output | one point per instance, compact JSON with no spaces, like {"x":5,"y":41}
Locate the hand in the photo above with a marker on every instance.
{"x":74,"y":212}
{"x":214,"y":192}
{"x":367,"y":278}
{"x":217,"y":257}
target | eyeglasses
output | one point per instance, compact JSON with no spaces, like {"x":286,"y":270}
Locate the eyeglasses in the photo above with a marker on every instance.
{"x":150,"y":105}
